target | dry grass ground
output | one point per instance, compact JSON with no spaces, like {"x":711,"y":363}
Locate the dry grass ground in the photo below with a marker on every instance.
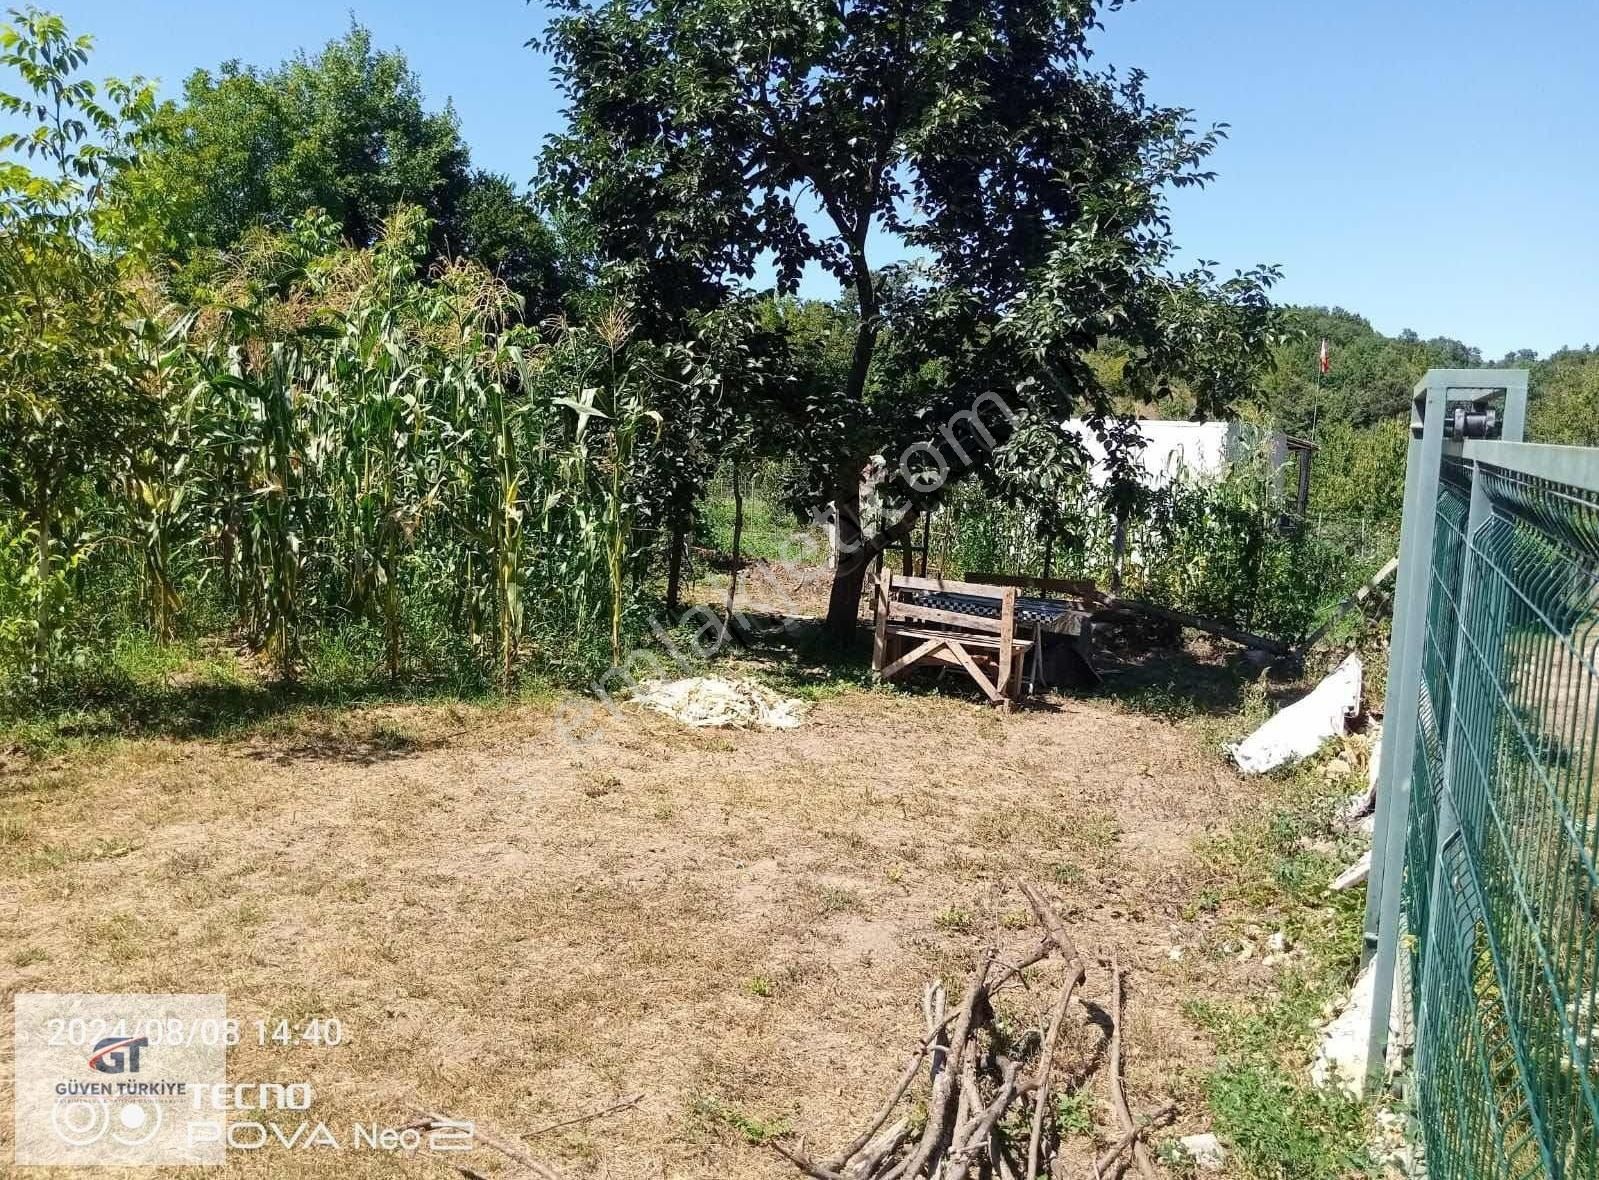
{"x":512,"y":930}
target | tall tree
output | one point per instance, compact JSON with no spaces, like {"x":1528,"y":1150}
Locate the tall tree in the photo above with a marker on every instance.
{"x":72,"y":403}
{"x":709,"y":135}
{"x":497,"y":226}
{"x":344,"y":130}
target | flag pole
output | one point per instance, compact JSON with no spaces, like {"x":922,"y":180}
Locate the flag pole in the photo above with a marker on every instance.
{"x":1321,"y":370}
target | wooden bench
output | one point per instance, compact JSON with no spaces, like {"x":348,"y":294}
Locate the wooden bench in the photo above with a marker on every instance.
{"x":916,"y":624}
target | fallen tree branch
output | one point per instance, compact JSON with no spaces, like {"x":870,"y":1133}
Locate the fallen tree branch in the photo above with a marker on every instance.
{"x":1132,"y":1138}
{"x":627,"y":1103}
{"x":1200,"y":623}
{"x":797,"y":1157}
{"x":1118,"y":1093}
{"x":1075,"y":973}
{"x":938,"y":1106}
{"x":976,"y":1135}
{"x":875,"y":1152}
{"x":937,"y":1021}
{"x":431,"y":1120}
{"x":973,"y":1086}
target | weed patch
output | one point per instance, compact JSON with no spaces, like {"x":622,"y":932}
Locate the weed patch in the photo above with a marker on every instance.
{"x":1271,"y":870}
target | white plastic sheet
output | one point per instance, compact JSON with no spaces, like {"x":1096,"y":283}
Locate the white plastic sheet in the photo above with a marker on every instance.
{"x":713,"y":701}
{"x":1298,"y":731}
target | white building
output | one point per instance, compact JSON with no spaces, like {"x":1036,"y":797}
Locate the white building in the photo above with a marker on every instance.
{"x":1200,"y":450}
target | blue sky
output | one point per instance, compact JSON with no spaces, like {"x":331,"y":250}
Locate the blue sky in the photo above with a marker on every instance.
{"x":1431,"y":164}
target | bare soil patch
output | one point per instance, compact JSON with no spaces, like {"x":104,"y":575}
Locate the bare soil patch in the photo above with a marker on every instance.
{"x":514,"y":930}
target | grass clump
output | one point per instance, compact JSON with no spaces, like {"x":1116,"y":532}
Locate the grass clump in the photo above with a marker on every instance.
{"x":755,"y":1131}
{"x":1074,"y":1112}
{"x":1280,"y":1127}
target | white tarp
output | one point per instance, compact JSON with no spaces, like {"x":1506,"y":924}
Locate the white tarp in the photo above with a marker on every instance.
{"x":713,"y":701}
{"x":1298,"y":731}
{"x":1194,"y":450}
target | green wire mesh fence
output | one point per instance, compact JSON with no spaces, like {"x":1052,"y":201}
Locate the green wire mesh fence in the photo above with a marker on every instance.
{"x":1500,"y":887}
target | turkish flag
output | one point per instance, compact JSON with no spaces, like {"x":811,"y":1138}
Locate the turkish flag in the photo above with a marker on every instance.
{"x":1325,"y":360}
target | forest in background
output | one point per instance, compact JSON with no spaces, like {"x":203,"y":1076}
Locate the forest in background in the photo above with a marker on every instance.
{"x":284,"y":378}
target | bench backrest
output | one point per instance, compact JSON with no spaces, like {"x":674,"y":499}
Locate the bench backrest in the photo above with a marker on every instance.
{"x":896,"y":603}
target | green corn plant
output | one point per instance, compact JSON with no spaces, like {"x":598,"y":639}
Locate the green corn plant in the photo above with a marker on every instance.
{"x":157,"y":482}
{"x":603,"y":474}
{"x":484,"y":370}
{"x":274,"y":522}
{"x":374,"y":415}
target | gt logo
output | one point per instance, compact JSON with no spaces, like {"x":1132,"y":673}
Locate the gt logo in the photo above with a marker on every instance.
{"x":118,"y":1054}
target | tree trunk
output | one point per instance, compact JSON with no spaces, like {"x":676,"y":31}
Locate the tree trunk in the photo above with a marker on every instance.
{"x":41,"y":635}
{"x":677,"y":539}
{"x":738,"y":543}
{"x":1118,"y":550}
{"x":856,"y":554}
{"x":849,"y":574}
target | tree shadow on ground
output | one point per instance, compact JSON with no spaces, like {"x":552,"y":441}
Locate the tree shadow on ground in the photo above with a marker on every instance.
{"x":1193,"y":679}
{"x":209,"y":709}
{"x":796,"y":656}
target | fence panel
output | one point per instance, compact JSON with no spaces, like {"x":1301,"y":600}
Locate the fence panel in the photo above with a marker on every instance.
{"x":1499,"y":887}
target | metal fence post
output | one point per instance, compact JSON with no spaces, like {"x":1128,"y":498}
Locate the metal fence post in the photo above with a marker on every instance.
{"x":1515,"y":417}
{"x":1392,"y":821}
{"x":1500,"y":838}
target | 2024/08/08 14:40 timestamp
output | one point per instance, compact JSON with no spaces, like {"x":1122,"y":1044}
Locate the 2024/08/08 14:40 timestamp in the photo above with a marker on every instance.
{"x":317,"y":1031}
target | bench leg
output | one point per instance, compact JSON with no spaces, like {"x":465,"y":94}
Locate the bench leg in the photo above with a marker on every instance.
{"x":1013,"y":690}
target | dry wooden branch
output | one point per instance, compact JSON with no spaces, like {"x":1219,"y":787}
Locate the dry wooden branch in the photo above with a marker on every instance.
{"x":796,"y":1156}
{"x":1132,"y":1138}
{"x":887,"y":1109}
{"x":973,"y":1085}
{"x":1075,"y":973}
{"x":1118,"y":1094}
{"x":431,"y":1120}
{"x":1013,"y":971}
{"x":1050,"y":920}
{"x":935,"y":1012}
{"x":968,"y":1141}
{"x":939,"y":1105}
{"x":627,"y":1103}
{"x":1046,"y":1062}
{"x":967,"y":1105}
{"x":886,"y":1144}
{"x":1183,"y":618}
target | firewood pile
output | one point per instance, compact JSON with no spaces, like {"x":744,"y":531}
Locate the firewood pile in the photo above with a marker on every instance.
{"x":987,"y":1091}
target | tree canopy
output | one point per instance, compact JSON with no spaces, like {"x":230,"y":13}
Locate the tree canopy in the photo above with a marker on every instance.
{"x":1564,"y":397}
{"x":344,"y":130}
{"x":72,"y":399}
{"x":702,"y":133}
